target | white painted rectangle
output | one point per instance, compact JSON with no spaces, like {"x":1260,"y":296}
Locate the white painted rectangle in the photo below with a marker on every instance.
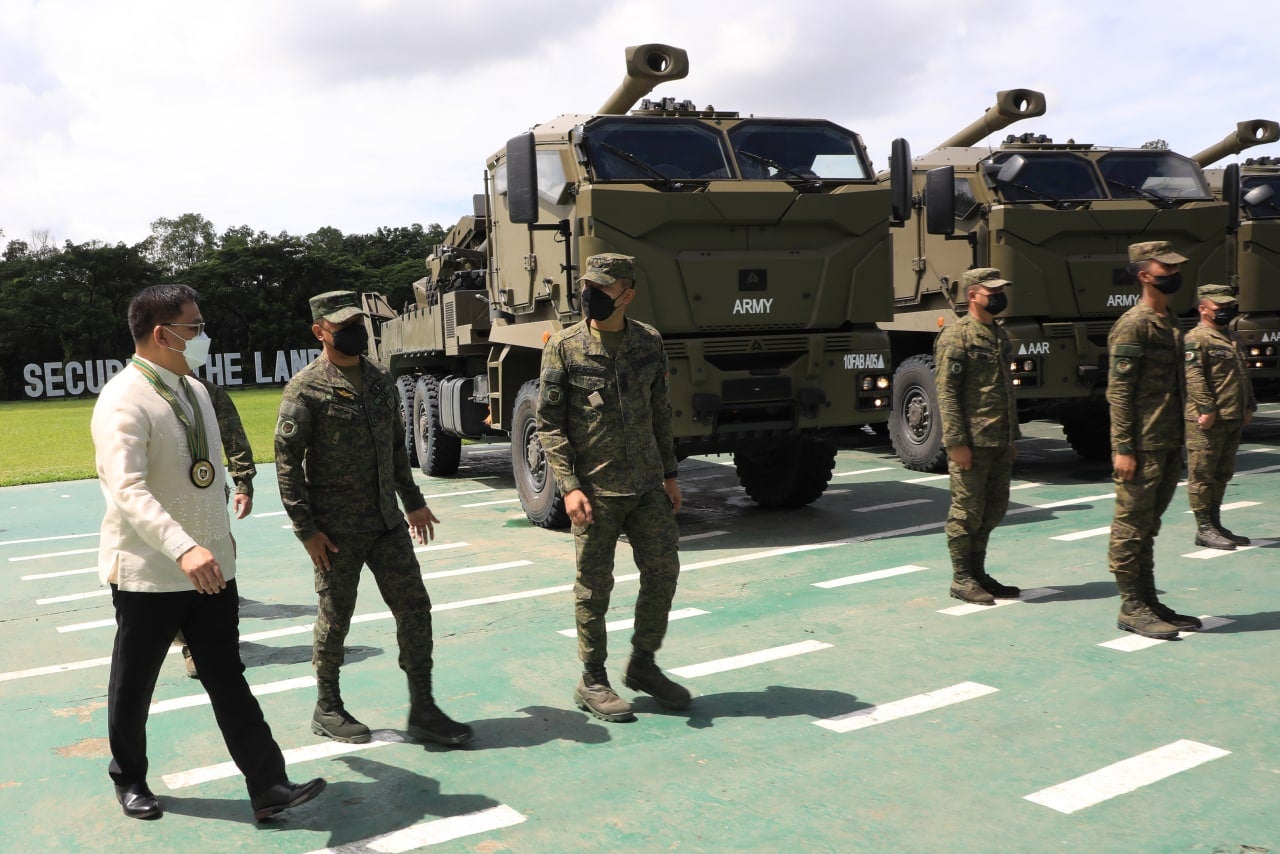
{"x":53,"y":554}
{"x":263,"y":690}
{"x":324,"y":750}
{"x":869,"y":576}
{"x":892,"y":505}
{"x":1126,"y":776}
{"x":863,"y":718}
{"x":1133,"y":643}
{"x":491,"y":503}
{"x":1235,"y":505}
{"x":860,"y":471}
{"x":46,"y":539}
{"x":1082,"y":535}
{"x":705,"y":535}
{"x":1210,"y":554}
{"x":931,"y":478}
{"x":623,"y":625}
{"x":93,"y":624}
{"x":468,"y":570}
{"x":439,"y":548}
{"x":968,"y":608}
{"x":735,"y":662}
{"x":1031,"y":485}
{"x":43,"y":575}
{"x":433,"y":832}
{"x":73,"y":597}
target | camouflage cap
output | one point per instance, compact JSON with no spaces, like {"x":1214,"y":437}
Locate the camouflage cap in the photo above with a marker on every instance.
{"x":987,"y":277}
{"x":608,"y":267}
{"x":1155,"y":250}
{"x":1221,"y":294}
{"x":335,"y":306}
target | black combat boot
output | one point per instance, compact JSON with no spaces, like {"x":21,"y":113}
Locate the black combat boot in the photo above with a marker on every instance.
{"x":332,"y":720}
{"x":1215,"y":516}
{"x":1136,"y":615}
{"x":594,"y":694}
{"x":1208,"y":535}
{"x":428,"y":723}
{"x":1183,"y":622}
{"x":964,"y":585}
{"x":978,"y":566}
{"x":642,"y":674}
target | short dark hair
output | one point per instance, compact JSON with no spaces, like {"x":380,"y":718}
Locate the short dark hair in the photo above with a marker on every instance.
{"x":157,"y":305}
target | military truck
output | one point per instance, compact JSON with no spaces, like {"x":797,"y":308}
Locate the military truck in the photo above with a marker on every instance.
{"x":1253,"y":243}
{"x":763,"y":257}
{"x":1056,"y":219}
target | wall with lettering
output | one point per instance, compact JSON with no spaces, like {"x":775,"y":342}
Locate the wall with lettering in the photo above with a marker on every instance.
{"x":73,"y":379}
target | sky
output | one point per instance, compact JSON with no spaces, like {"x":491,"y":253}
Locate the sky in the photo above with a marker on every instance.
{"x":293,"y":115}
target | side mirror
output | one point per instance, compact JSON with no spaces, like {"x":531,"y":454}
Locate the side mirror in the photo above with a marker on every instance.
{"x":940,"y":200}
{"x":522,"y":179}
{"x":1259,"y":195}
{"x":900,"y":179}
{"x":1011,"y":169}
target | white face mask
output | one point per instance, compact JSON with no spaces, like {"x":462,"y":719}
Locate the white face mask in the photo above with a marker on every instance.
{"x":197,"y":351}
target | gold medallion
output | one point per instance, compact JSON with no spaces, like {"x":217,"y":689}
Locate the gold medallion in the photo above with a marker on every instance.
{"x":202,"y":473}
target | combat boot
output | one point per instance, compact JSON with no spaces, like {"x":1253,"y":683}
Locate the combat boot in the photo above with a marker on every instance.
{"x":594,"y":694}
{"x":1183,"y":622}
{"x":428,"y":723}
{"x":1136,"y":615}
{"x":1215,"y":516}
{"x":1208,"y":535}
{"x":978,"y":566}
{"x":332,"y":720}
{"x":642,"y":674}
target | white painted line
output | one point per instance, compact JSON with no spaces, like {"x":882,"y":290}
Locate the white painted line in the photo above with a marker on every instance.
{"x":53,"y":554}
{"x":292,"y":756}
{"x":869,"y":576}
{"x":460,"y":492}
{"x":1053,"y":505}
{"x":73,"y":597}
{"x":929,"y":479}
{"x":705,"y":535}
{"x":268,"y":515}
{"x":439,"y":548}
{"x":80,"y":627}
{"x":1262,"y":470}
{"x":1132,"y":643}
{"x":734,"y":662}
{"x":1210,"y":554}
{"x":738,"y":488}
{"x":43,"y":575}
{"x":468,"y":570}
{"x":1126,"y":776}
{"x":54,"y":668}
{"x":861,"y":471}
{"x":193,"y":700}
{"x":863,"y":718}
{"x":46,"y":539}
{"x":432,"y":832}
{"x":491,"y":503}
{"x":506,"y":597}
{"x":623,"y":625}
{"x":967,"y":608}
{"x":761,"y":555}
{"x":1031,"y":485}
{"x":1249,"y":451}
{"x":893,"y":505}
{"x":1082,"y":535}
{"x":1235,"y":505}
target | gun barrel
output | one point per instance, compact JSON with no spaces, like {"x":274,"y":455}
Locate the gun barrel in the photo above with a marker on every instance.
{"x":647,"y":66}
{"x":1246,"y":135}
{"x":1011,"y":105}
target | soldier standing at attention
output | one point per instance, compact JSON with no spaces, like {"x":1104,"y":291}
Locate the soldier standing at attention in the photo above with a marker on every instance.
{"x":1220,"y":403}
{"x":341,"y":462}
{"x":604,"y":420}
{"x":979,"y":428}
{"x":1145,"y":393}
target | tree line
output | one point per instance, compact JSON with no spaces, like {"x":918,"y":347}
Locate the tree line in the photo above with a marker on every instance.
{"x":68,"y":303}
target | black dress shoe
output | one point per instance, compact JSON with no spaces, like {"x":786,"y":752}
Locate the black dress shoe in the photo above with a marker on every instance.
{"x":137,"y":801}
{"x":282,"y":796}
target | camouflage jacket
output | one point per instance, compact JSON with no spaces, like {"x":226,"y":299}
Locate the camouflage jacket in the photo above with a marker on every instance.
{"x":235,"y":443}
{"x":1217,"y":374}
{"x":605,"y":423}
{"x":340,"y":454}
{"x":1145,"y":388}
{"x":975,"y":387}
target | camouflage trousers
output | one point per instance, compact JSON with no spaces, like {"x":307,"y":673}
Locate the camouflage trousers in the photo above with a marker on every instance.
{"x":979,"y":499}
{"x":651,"y":530}
{"x":1211,"y":461}
{"x":1139,"y":505}
{"x":390,"y":557}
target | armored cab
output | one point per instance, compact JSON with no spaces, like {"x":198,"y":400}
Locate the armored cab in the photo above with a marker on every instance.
{"x":1056,"y":219}
{"x":763,"y":257}
{"x":1252,"y":189}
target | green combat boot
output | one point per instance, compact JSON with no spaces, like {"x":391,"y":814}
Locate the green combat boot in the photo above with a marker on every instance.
{"x":642,"y":674}
{"x":594,"y":694}
{"x":1183,"y":622}
{"x":332,"y":720}
{"x":964,"y":585}
{"x":1208,"y":535}
{"x":428,"y":723}
{"x":1215,"y":516}
{"x":978,"y":563}
{"x":1136,"y":615}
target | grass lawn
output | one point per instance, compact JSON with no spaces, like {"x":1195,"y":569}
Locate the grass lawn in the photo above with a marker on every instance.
{"x":48,"y":440}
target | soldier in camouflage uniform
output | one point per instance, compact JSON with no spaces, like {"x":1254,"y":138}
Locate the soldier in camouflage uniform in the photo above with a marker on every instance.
{"x":341,"y":462}
{"x":1145,"y":393}
{"x":604,"y":420}
{"x":1220,"y":403}
{"x":979,"y":428}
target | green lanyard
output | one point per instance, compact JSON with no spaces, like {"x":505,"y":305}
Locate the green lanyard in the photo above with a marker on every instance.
{"x":202,"y":472}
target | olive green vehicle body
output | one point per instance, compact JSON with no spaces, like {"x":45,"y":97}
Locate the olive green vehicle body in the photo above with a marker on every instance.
{"x":765,"y":281}
{"x":1056,"y":220}
{"x":1253,"y":247}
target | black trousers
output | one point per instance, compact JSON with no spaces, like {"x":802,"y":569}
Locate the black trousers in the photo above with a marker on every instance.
{"x":145,"y":626}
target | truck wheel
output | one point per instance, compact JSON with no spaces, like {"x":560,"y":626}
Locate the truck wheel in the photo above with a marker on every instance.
{"x":789,"y":476}
{"x":541,"y":500}
{"x":438,"y":452}
{"x":915,"y":422}
{"x":1089,"y":433}
{"x":404,"y":391}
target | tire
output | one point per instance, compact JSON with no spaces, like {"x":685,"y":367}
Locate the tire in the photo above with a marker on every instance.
{"x":535,"y":484}
{"x":404,"y":391}
{"x":1089,"y":433}
{"x":915,"y":422}
{"x":438,"y":452}
{"x":789,"y":476}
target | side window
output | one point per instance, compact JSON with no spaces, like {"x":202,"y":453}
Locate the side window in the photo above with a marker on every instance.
{"x":966,"y":201}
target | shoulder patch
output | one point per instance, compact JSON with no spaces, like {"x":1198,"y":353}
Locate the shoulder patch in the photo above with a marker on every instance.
{"x":1191,"y":355}
{"x":1122,"y":366}
{"x":957,"y":368}
{"x":553,"y":394}
{"x":286,"y":427}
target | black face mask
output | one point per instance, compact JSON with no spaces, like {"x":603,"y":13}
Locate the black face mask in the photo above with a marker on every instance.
{"x":597,"y":305}
{"x":1168,"y":284}
{"x":1225,"y":314}
{"x":997,"y":302}
{"x":351,"y":340}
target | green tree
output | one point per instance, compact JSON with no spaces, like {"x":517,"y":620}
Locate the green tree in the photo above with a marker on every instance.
{"x":177,"y":245}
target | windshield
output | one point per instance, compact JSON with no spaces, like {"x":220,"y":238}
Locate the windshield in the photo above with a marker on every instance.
{"x":1152,"y":174}
{"x":1048,"y":176}
{"x":1259,"y":203}
{"x":802,"y":151}
{"x":631,"y":149}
